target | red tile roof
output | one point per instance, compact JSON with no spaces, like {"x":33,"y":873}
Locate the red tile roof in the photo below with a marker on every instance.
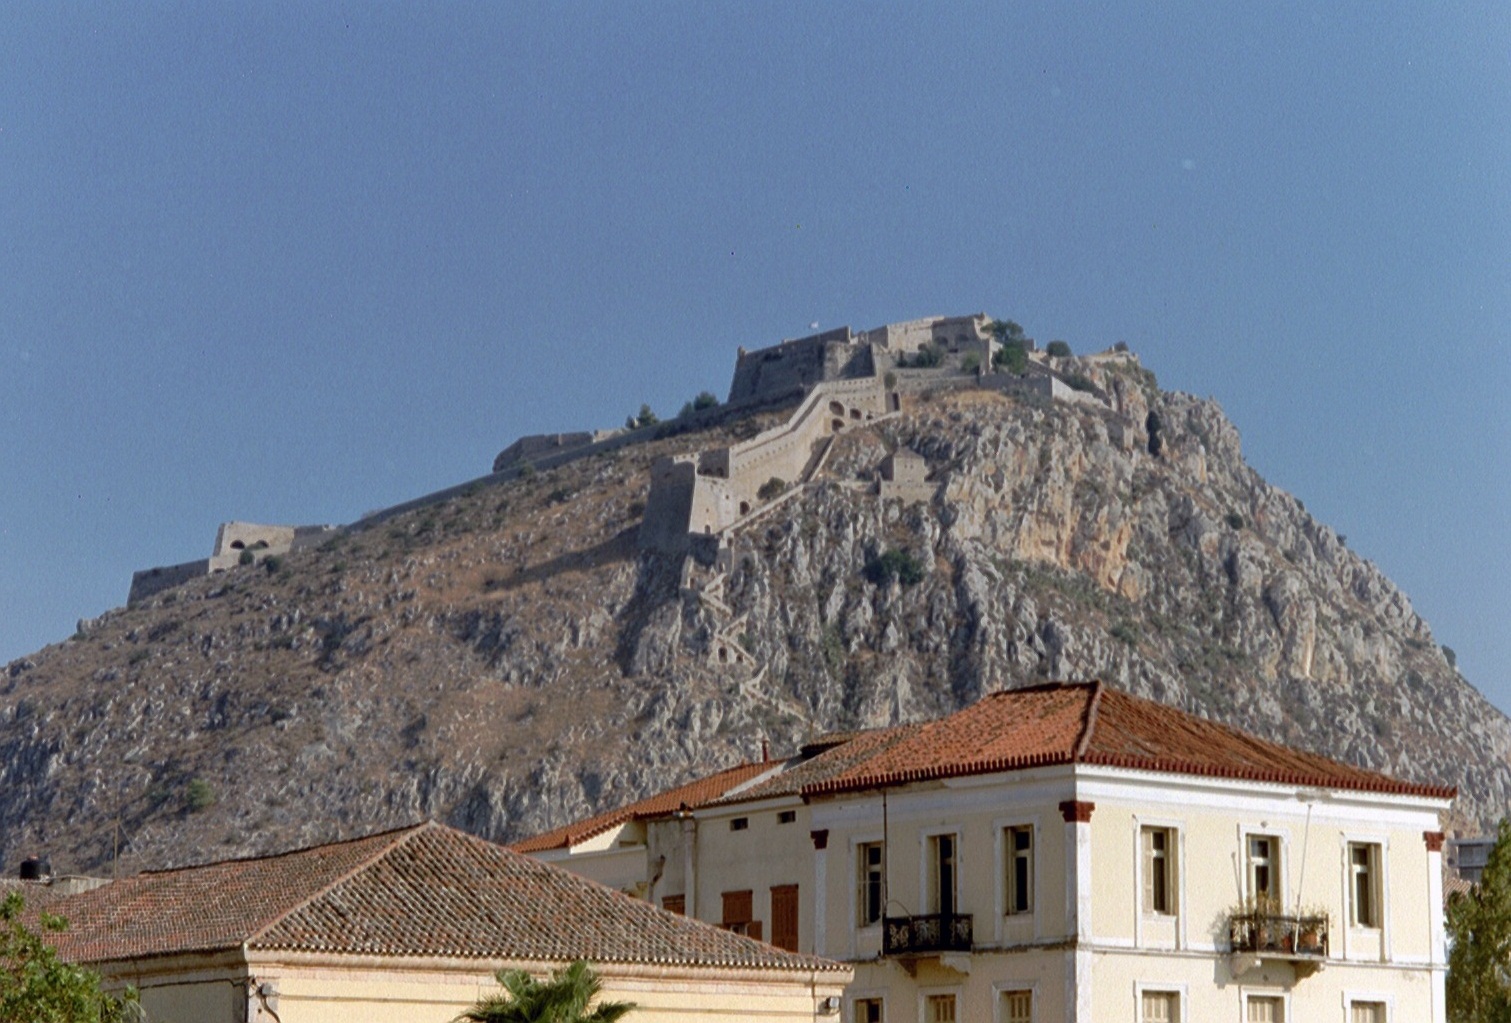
{"x":693,"y":794}
{"x":1089,"y":723}
{"x":1055,"y":723}
{"x":426,"y":890}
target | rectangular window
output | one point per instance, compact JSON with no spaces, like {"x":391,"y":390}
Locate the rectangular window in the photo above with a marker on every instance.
{"x":1265,"y":1010}
{"x":1366,"y":1012}
{"x":1364,"y":884}
{"x":1019,"y":845}
{"x":1263,"y":862}
{"x":1159,"y":869}
{"x":739,"y":824}
{"x":868,"y":883}
{"x":1017,"y":1007}
{"x":784,"y":916}
{"x":867,"y":1010}
{"x":786,"y":816}
{"x":939,"y":1009}
{"x":739,"y":913}
{"x":1160,"y":1007}
{"x":674,"y":904}
{"x":942,"y":874}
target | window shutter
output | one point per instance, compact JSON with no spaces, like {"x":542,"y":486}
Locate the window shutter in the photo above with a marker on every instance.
{"x":1146,"y":837}
{"x":674,"y":904}
{"x":737,"y":907}
{"x":784,"y":915}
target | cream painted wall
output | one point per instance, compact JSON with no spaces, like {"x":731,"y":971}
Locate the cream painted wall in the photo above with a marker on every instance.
{"x":761,"y":855}
{"x":406,"y":992}
{"x":1122,"y":948}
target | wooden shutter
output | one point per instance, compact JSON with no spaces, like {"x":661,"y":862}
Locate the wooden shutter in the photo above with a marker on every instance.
{"x":784,"y":916}
{"x":675,"y":904}
{"x":1159,"y":1007}
{"x":1146,"y":837}
{"x":737,"y":908}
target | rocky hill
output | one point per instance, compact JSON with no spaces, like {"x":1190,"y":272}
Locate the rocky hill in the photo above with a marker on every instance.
{"x":509,"y":658}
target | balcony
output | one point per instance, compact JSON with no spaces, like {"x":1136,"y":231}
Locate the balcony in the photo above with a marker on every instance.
{"x":928,"y":934}
{"x":1259,"y":934}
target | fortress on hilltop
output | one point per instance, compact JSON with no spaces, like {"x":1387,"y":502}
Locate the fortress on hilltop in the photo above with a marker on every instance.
{"x":838,"y":379}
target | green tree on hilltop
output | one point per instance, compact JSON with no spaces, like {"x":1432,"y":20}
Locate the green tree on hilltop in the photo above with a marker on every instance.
{"x":39,"y":987}
{"x":562,"y":999}
{"x":1479,"y":931}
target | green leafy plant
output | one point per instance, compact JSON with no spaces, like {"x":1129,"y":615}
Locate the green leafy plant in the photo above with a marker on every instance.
{"x":895,"y":564}
{"x":1080,"y":382}
{"x":272,"y":564}
{"x":246,"y":558}
{"x":1234,"y":520}
{"x":1057,"y":349}
{"x":564,"y":998}
{"x":1479,"y":941}
{"x":1012,"y":358}
{"x":198,"y":795}
{"x":645,"y":418}
{"x":37,"y":986}
{"x":970,"y":363}
{"x":771,"y":489}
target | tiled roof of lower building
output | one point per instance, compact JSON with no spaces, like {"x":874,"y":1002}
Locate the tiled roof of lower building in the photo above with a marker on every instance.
{"x":426,"y":890}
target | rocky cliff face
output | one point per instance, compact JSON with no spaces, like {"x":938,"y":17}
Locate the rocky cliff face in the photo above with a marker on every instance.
{"x":509,"y":659}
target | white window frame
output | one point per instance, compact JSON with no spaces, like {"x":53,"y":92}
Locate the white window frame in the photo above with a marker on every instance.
{"x":1282,"y":858}
{"x":856,"y":841}
{"x":1382,"y":891}
{"x":925,"y":993}
{"x":1001,"y":987}
{"x":1374,"y":853}
{"x":1182,"y":996}
{"x":1385,"y":998}
{"x":1176,"y":827}
{"x":1247,"y":994}
{"x":927,"y":866}
{"x":1004,"y":862}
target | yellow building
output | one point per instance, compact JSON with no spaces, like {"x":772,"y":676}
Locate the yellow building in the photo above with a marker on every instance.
{"x":1059,"y":853}
{"x":410,"y":925}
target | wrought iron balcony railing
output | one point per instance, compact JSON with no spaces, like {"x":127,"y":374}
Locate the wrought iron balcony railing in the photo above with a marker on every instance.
{"x":933,"y":932}
{"x":1276,"y":934}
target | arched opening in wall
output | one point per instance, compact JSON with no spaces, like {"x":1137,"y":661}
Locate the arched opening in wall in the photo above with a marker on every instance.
{"x":836,"y":409}
{"x":744,"y":507}
{"x":723,"y":655}
{"x":855,"y":414}
{"x":707,"y":529}
{"x":837,"y":425}
{"x":237,"y":545}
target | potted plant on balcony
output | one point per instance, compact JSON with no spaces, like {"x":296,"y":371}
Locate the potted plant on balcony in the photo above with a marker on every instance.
{"x":1313,"y":926}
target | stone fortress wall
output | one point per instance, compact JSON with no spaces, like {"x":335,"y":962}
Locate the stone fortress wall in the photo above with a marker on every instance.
{"x":233,"y":541}
{"x":840,"y":379}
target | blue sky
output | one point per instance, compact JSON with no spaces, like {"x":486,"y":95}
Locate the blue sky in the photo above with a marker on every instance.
{"x":289,"y":262}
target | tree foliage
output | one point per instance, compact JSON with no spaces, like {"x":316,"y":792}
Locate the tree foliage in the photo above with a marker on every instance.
{"x":645,"y":418}
{"x":562,"y":999}
{"x":1011,"y":357}
{"x":1479,"y":930}
{"x":894,"y":564}
{"x":37,"y":986}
